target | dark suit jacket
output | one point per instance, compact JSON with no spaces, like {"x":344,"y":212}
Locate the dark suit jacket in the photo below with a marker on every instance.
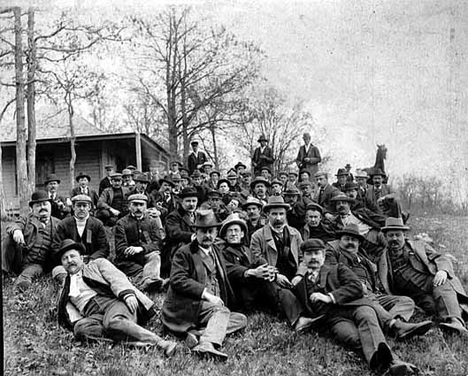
{"x":193,"y":161}
{"x":337,"y":280}
{"x":103,"y":184}
{"x":91,"y":193}
{"x":94,"y":236}
{"x":188,"y":279}
{"x":260,"y":159}
{"x":238,"y":260}
{"x":324,"y":200}
{"x":313,"y":153}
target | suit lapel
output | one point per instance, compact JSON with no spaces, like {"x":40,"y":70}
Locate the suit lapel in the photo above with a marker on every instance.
{"x":323,"y":275}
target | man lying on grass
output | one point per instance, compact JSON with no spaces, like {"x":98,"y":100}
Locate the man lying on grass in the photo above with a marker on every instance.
{"x":98,"y":301}
{"x":333,"y":295}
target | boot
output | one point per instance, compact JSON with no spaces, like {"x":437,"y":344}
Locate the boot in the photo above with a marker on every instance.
{"x":404,"y":330}
{"x":207,"y":348}
{"x":401,"y":368}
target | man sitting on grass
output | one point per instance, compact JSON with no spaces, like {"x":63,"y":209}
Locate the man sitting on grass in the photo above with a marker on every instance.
{"x":333,"y":296}
{"x":98,"y":301}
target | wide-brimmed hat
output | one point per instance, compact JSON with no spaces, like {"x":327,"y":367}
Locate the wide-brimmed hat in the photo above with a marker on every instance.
{"x":213,"y":193}
{"x":352,"y":229}
{"x":311,"y":245}
{"x":349,"y":186}
{"x":232,"y":219}
{"x":262,"y":138}
{"x":83,"y":175}
{"x":81,"y":198}
{"x":67,"y":245}
{"x":168,"y":180}
{"x":207,"y":163}
{"x":214,"y":172}
{"x":188,"y":192}
{"x":265,"y":168}
{"x":51,"y":177}
{"x":376,"y":172}
{"x":341,"y":197}
{"x":314,"y":206}
{"x":206,"y":219}
{"x":276,"y":181}
{"x":252,"y":201}
{"x":292,"y":191}
{"x":342,"y":172}
{"x":39,"y":196}
{"x":142,"y":178}
{"x":392,"y":223}
{"x":275,"y":202}
{"x":239,"y":164}
{"x":259,"y":179}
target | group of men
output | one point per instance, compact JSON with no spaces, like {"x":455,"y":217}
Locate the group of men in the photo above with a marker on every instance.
{"x":313,"y":252}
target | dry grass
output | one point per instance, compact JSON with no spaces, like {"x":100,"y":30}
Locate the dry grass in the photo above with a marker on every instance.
{"x":35,"y":345}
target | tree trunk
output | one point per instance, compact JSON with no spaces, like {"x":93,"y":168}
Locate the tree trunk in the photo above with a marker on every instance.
{"x":215,"y":145}
{"x":21,"y":163}
{"x":72,"y":140}
{"x":31,"y":99}
{"x":171,"y":91}
{"x":3,"y":212}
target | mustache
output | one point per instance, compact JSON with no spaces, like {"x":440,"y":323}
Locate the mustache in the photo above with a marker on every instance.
{"x":278,"y":222}
{"x":351,"y":246}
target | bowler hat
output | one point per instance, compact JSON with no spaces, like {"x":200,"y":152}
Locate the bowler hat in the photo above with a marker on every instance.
{"x":266,"y":168}
{"x":188,"y":192}
{"x":262,"y":138}
{"x":137,"y":197}
{"x":194,"y":142}
{"x":214,"y":172}
{"x":252,"y":201}
{"x":311,"y":245}
{"x":81,"y":198}
{"x":314,"y":206}
{"x":232,"y":219}
{"x":276,"y":181}
{"x":51,"y":177}
{"x":275,"y":202}
{"x":222,"y":181}
{"x":177,"y":163}
{"x":239,"y":164}
{"x":259,"y":179}
{"x":67,"y":245}
{"x":39,"y":196}
{"x":342,"y":172}
{"x":206,"y":219}
{"x":83,"y":175}
{"x":352,"y":229}
{"x":392,"y":223}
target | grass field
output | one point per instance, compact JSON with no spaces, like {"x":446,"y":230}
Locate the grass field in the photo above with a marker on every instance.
{"x":35,"y":345}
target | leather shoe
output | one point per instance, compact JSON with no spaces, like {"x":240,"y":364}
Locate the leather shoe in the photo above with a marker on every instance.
{"x":304,"y":324}
{"x":400,"y":368}
{"x":404,"y":330}
{"x":169,"y":347}
{"x":207,"y":348}
{"x":382,"y":358}
{"x":454,"y":326}
{"x":191,"y":340}
{"x":152,"y":284}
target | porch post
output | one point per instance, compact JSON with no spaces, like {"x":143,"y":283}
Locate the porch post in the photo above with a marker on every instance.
{"x":138,"y":151}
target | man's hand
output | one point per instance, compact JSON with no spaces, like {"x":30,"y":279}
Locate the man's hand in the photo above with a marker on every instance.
{"x":329,"y":216}
{"x":319,"y":297}
{"x":130,"y":251}
{"x":283,"y":281}
{"x":132,"y":303}
{"x":18,"y":237}
{"x":259,"y":271}
{"x":212,"y":298}
{"x":440,"y":278}
{"x":296,"y":280}
{"x":307,"y":160}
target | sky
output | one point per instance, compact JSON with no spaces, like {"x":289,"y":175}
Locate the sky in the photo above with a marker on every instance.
{"x":393,"y":72}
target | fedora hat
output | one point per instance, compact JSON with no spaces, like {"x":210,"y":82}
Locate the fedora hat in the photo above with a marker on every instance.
{"x":252,"y":201}
{"x":67,"y":245}
{"x":259,"y":179}
{"x":361,"y":174}
{"x":276,"y":181}
{"x":376,"y":172}
{"x":239,"y":164}
{"x":262,"y":138}
{"x":342,"y":172}
{"x":352,"y":230}
{"x":213,"y":193}
{"x":349,"y":186}
{"x":39,"y":196}
{"x":223,"y":180}
{"x":275,"y":202}
{"x":168,"y":180}
{"x":206,"y":219}
{"x":214,"y":172}
{"x":232,"y":219}
{"x":188,"y":192}
{"x":392,"y":223}
{"x":51,"y":177}
{"x":83,"y":175}
{"x":292,"y":191}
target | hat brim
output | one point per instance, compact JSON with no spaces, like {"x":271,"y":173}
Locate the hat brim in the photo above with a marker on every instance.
{"x":389,"y":228}
{"x":48,"y":181}
{"x":239,"y":222}
{"x":267,"y":207}
{"x":208,"y":225}
{"x":182,"y":195}
{"x":344,"y":232}
{"x":171,"y":183}
{"x":348,"y":199}
{"x":32,"y":202}
{"x":82,"y":176}
{"x":76,"y":246}
{"x":255,"y":182}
